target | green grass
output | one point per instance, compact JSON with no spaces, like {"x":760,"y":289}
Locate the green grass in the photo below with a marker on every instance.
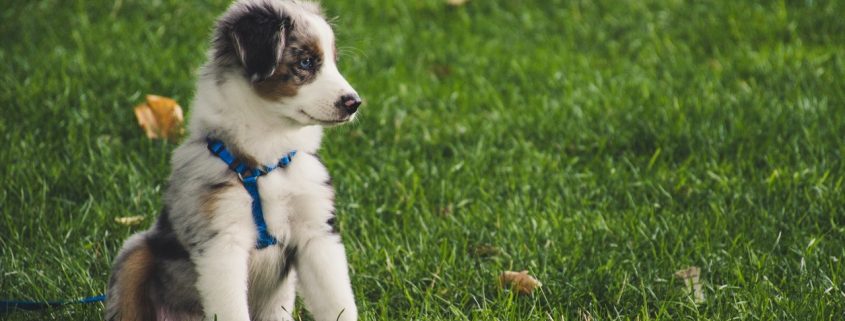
{"x":602,"y":145}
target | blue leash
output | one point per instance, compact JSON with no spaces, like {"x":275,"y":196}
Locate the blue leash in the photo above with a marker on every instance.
{"x":8,"y":306}
{"x":249,"y":177}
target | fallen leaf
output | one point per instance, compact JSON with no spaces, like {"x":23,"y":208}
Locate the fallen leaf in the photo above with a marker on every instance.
{"x":147,"y":120}
{"x":456,"y":3}
{"x":129,"y":220}
{"x":585,"y":315}
{"x":692,"y":285}
{"x":519,"y":281}
{"x":160,"y":117}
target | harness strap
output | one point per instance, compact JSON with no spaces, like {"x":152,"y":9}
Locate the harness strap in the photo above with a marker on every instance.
{"x":249,"y":178}
{"x":264,"y":237}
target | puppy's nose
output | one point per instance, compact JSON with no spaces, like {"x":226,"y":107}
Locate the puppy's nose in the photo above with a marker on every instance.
{"x":349,"y":103}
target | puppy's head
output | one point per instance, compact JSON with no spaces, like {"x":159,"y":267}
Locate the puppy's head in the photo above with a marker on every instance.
{"x":285,"y":51}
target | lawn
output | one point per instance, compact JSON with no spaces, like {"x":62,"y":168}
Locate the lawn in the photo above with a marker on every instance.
{"x":600,"y":145}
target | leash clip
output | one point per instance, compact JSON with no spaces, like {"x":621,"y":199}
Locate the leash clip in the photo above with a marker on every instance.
{"x":251,"y":178}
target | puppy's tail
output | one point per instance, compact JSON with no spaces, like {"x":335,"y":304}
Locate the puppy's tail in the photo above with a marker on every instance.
{"x":128,"y":297}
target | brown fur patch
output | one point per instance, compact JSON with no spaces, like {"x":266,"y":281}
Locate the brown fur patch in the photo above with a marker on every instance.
{"x":242,"y":157}
{"x":208,"y":201}
{"x":289,"y":76}
{"x":132,"y":284}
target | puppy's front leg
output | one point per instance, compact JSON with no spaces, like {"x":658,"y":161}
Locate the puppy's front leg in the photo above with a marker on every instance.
{"x":222,"y":268}
{"x":324,"y":279}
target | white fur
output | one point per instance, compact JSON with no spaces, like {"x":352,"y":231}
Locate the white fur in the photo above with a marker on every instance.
{"x":234,"y":277}
{"x":315,"y":102}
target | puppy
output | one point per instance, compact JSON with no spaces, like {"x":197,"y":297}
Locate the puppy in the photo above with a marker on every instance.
{"x":270,"y":84}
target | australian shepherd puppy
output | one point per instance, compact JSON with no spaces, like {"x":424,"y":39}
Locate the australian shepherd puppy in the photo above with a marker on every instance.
{"x":270,"y":84}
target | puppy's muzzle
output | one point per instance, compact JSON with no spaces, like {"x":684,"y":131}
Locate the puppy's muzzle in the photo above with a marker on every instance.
{"x":349,"y":103}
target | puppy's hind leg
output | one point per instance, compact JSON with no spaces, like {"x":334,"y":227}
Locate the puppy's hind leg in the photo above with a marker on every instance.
{"x":128,"y":297}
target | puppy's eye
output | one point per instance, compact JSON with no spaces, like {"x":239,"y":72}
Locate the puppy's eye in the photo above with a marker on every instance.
{"x":306,"y":63}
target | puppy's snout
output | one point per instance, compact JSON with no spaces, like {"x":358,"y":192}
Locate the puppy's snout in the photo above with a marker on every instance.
{"x":349,"y":103}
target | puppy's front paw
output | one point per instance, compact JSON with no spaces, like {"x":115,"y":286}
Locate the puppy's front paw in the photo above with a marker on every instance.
{"x":347,"y":314}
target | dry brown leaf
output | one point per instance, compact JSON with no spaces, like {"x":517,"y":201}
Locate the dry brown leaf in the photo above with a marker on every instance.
{"x":456,"y":3}
{"x":147,"y":120}
{"x":160,"y":117}
{"x":129,"y":220}
{"x":519,"y":281}
{"x":692,"y":285}
{"x":585,"y":315}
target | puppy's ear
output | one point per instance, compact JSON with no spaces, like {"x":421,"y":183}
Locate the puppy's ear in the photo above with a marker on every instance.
{"x":258,"y":37}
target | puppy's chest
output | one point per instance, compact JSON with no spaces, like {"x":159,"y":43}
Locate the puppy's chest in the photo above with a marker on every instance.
{"x":294,"y":195}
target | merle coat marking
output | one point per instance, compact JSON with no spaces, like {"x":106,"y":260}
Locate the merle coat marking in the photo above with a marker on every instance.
{"x":269,"y":86}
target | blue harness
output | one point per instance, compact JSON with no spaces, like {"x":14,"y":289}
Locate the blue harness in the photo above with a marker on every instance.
{"x":249,"y":177}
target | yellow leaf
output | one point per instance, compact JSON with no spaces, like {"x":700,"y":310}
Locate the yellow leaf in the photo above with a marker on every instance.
{"x":160,"y":117}
{"x":691,"y":277}
{"x":519,"y":281}
{"x":129,"y":220}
